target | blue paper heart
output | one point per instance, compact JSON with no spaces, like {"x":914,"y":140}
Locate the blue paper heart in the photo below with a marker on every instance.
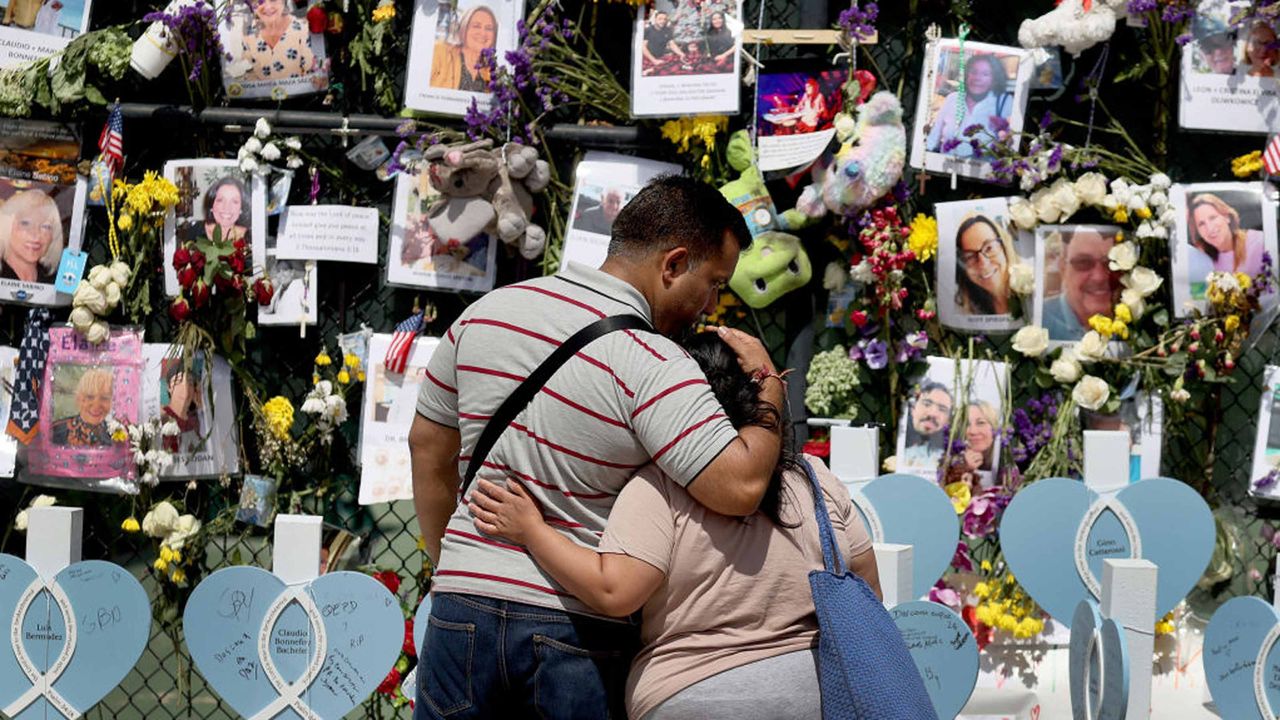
{"x":1099,"y":665}
{"x":420,"y":622}
{"x":911,"y":510}
{"x":944,"y":650}
{"x":363,"y":629}
{"x":112,"y":621}
{"x":1232,"y":643}
{"x":1039,"y":530}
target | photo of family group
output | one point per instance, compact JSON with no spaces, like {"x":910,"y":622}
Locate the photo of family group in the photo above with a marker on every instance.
{"x":38,"y":221}
{"x":966,"y":392}
{"x":421,"y":255}
{"x":1221,"y":227}
{"x":604,"y":183}
{"x":685,"y":57}
{"x":454,"y":42}
{"x":32,"y":29}
{"x":270,"y":51}
{"x":978,"y":248}
{"x":1229,"y":71}
{"x":217,"y":202}
{"x":1074,"y":280}
{"x":971,"y":94}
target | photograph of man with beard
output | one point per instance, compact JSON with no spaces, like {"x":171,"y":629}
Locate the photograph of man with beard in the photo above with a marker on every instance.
{"x":925,"y":440}
{"x":1086,"y":286}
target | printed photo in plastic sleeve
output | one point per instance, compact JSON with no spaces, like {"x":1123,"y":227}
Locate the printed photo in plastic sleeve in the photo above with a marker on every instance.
{"x":257,"y":501}
{"x":1220,"y":227}
{"x":88,"y":391}
{"x":795,"y":114}
{"x":390,"y":403}
{"x":969,"y":393}
{"x":685,"y":59}
{"x":451,"y":40}
{"x":38,"y":220}
{"x":1230,"y":79}
{"x":1264,"y":480}
{"x":197,"y":397}
{"x":978,"y":249}
{"x":35,"y":29}
{"x":1074,"y":280}
{"x":1142,"y":416}
{"x":970,"y":95}
{"x":603,"y":184}
{"x":217,"y":204}
{"x":269,"y":51}
{"x":296,"y":298}
{"x":422,"y":251}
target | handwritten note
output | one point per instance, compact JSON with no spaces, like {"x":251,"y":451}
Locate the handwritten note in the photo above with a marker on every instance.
{"x":329,"y":232}
{"x":944,"y":651}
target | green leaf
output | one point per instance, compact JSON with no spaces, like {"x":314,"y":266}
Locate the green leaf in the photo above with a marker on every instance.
{"x":1161,"y":317}
{"x":1176,"y":364}
{"x":1135,"y":71}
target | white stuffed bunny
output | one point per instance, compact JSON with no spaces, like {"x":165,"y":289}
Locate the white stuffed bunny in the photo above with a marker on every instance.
{"x":1076,"y":25}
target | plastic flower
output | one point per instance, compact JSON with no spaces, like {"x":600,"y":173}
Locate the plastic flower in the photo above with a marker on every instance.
{"x":960,"y":495}
{"x":923,"y":240}
{"x":278,"y":412}
{"x":1247,"y":165}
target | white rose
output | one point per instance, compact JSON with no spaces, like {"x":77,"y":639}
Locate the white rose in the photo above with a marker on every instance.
{"x":293,"y":143}
{"x":113,"y":296}
{"x":159,"y":522}
{"x":1123,"y":256}
{"x":99,"y":276}
{"x":81,"y":318}
{"x":1137,"y":306}
{"x":1046,"y":205}
{"x":1160,"y":181}
{"x":261,"y":129}
{"x":120,"y":273}
{"x":98,"y":332}
{"x":1091,"y":188}
{"x":248,"y":165}
{"x":184,"y":528}
{"x":1031,"y":340}
{"x":251,"y":146}
{"x":1064,"y":193}
{"x":1091,"y":392}
{"x":1022,"y":278}
{"x":20,"y":522}
{"x":1091,"y":347}
{"x":1023,"y":213}
{"x":1066,"y":369}
{"x":88,"y":296}
{"x":845,"y":126}
{"x":890,"y":464}
{"x":1143,"y":280}
{"x":270,"y":152}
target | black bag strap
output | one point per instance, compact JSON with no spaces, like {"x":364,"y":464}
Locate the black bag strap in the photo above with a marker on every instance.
{"x":520,"y":398}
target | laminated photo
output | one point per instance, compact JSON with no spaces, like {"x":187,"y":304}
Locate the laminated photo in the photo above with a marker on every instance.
{"x":1074,"y":280}
{"x":423,"y":252}
{"x":197,"y":396}
{"x":1142,"y":416}
{"x":978,"y":249}
{"x":448,"y":70}
{"x":795,"y":112}
{"x":217,"y":203}
{"x":1229,"y":74}
{"x":257,"y":501}
{"x":685,"y":58}
{"x":603,"y":184}
{"x":38,"y":222}
{"x":971,"y":94}
{"x":1266,"y":449}
{"x":390,"y":403}
{"x":268,"y":50}
{"x":296,"y":298}
{"x":968,"y":392}
{"x":1221,"y":227}
{"x":35,"y":29}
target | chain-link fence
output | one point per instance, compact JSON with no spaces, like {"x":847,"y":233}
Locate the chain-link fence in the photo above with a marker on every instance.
{"x":164,"y":685}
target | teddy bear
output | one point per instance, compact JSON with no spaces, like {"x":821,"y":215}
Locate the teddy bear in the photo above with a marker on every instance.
{"x":867,"y":165}
{"x":520,"y":174}
{"x":1076,"y":25}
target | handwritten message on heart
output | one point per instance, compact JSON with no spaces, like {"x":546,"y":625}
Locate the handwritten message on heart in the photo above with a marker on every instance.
{"x":944,"y":650}
{"x":910,"y":510}
{"x":1242,"y":660}
{"x":73,"y":639}
{"x":318,"y":649}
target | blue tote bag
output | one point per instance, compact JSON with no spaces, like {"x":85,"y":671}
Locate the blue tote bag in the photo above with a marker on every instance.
{"x":864,"y":668}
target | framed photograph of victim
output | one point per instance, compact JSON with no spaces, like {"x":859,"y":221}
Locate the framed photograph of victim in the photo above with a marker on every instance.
{"x":35,"y":29}
{"x":1074,"y":280}
{"x":970,"y":392}
{"x":969,"y":96}
{"x":85,"y":388}
{"x":1266,"y":449}
{"x":422,"y":254}
{"x":390,"y":402}
{"x":795,"y":114}
{"x":685,"y":59}
{"x":268,"y":50}
{"x":978,"y":248}
{"x":603,"y":184}
{"x":197,"y":397}
{"x":1221,"y":227}
{"x":1142,"y":416}
{"x":447,"y":54}
{"x":1230,"y":76}
{"x":215,"y":200}
{"x":39,"y":220}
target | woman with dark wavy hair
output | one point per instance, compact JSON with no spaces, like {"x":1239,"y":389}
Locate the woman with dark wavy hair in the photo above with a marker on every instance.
{"x":984,"y":253}
{"x":728,"y":620}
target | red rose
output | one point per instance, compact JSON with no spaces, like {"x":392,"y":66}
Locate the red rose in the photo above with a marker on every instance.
{"x":263,"y":290}
{"x":858,"y":317}
{"x":186,"y":276}
{"x":239,"y":244}
{"x":390,"y":683}
{"x":197,"y":260}
{"x":181,"y":257}
{"x":317,"y":19}
{"x":180,"y":310}
{"x":236,"y":261}
{"x":200,"y":293}
{"x":408,"y":648}
{"x":237,"y":284}
{"x":390,"y":579}
{"x":817,"y":448}
{"x":222,"y":280}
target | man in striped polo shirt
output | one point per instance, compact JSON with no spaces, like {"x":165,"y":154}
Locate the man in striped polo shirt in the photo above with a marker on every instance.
{"x":504,"y":640}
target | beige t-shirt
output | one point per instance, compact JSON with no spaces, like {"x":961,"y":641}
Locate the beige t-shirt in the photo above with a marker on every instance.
{"x":736,"y":591}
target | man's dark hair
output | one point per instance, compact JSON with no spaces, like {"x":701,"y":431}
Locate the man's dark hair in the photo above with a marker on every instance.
{"x":676,"y":211}
{"x":929,"y":386}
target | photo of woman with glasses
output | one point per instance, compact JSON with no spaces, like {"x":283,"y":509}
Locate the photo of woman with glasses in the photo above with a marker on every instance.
{"x":979,"y":252}
{"x":984,"y":252}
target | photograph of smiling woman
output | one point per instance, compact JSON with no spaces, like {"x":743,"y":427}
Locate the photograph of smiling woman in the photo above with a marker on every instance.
{"x":978,"y":250}
{"x":1219,"y":227}
{"x":37,"y":222}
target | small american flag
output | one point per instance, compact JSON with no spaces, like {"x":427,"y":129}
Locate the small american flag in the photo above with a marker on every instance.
{"x":402,"y":341}
{"x":1271,"y":156}
{"x":111,"y":142}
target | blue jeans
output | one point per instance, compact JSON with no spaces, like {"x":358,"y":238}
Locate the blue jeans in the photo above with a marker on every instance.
{"x":489,"y":658}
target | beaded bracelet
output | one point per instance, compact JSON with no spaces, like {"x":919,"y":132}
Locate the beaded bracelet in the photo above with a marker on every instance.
{"x":760,"y":375}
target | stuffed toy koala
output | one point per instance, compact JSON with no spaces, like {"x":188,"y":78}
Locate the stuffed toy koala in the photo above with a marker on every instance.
{"x":520,"y":174}
{"x":1076,"y":25}
{"x":773,"y":266}
{"x":868,"y":164}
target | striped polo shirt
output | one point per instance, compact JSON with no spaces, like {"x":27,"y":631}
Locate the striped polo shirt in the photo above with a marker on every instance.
{"x":628,"y":398}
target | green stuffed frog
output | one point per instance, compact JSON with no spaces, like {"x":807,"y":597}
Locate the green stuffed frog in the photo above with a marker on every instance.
{"x":773,"y":266}
{"x":749,"y":194}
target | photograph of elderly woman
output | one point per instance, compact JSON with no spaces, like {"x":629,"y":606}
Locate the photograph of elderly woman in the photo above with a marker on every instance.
{"x":462,"y":36}
{"x":33,"y":229}
{"x":269,"y":51}
{"x":82,"y":396}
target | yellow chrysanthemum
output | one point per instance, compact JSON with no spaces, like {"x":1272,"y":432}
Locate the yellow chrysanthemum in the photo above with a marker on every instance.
{"x":923,"y":240}
{"x":1123,"y":314}
{"x":1247,"y":165}
{"x":986,"y":566}
{"x":960,"y":495}
{"x":1231,"y":323}
{"x":384,"y":12}
{"x":982,"y":590}
{"x":178,"y":576}
{"x":278,"y":412}
{"x":130,"y":525}
{"x":160,"y":564}
{"x":1028,"y":628}
{"x":1244,"y":280}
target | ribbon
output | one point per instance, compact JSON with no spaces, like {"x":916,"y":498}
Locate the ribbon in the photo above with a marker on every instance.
{"x":32,"y":353}
{"x":290,"y":695}
{"x":1082,"y":537}
{"x":42,"y":683}
{"x":962,"y":91}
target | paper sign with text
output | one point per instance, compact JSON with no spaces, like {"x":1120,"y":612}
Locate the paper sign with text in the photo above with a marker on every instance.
{"x":329,"y":232}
